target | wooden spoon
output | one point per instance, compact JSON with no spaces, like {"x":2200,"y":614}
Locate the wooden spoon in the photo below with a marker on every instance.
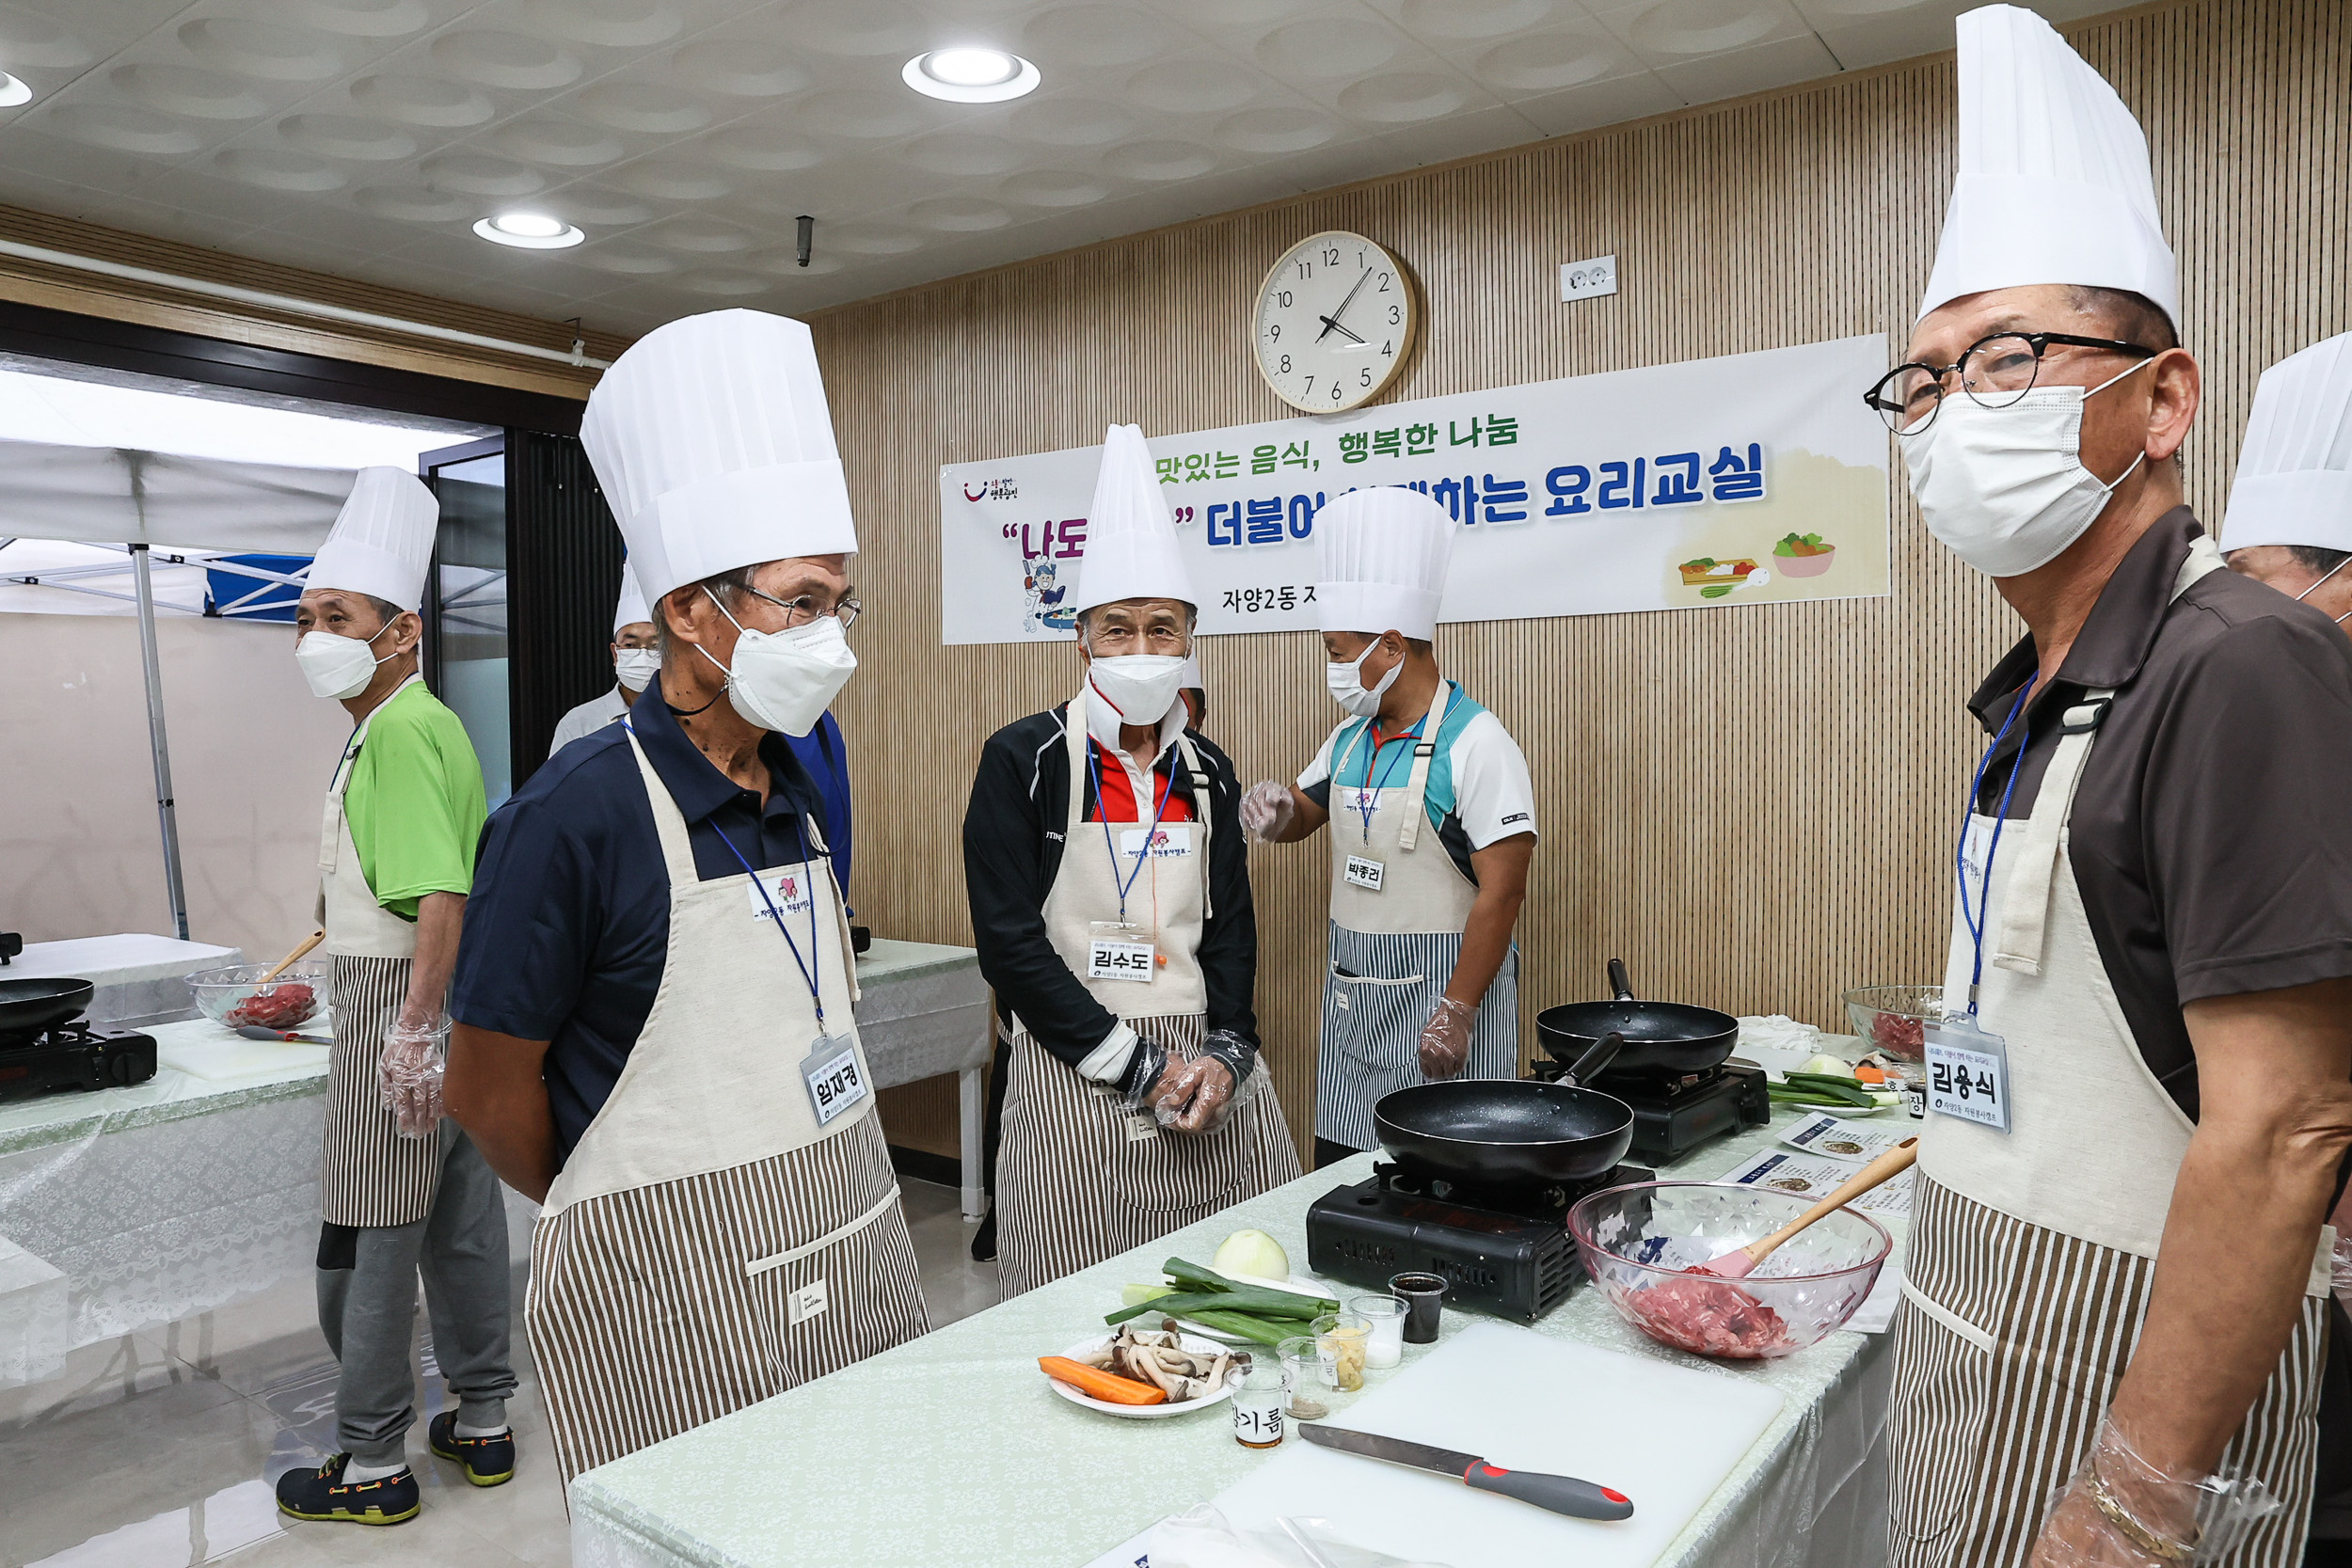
{"x":1736,"y":1264}
{"x":308,"y":943}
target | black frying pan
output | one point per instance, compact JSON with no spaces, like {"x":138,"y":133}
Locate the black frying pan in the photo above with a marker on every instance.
{"x":26,"y":1005}
{"x":1508,"y":1133}
{"x":1661,"y":1038}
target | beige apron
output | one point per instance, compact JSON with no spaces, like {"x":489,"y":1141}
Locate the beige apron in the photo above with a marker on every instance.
{"x":1078,"y":1178}
{"x":2031,"y":1253}
{"x":1394,"y":950}
{"x":708,"y":1243}
{"x":369,"y":1175}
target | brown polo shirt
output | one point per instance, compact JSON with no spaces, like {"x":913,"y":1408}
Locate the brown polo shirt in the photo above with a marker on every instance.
{"x":2212,"y":832}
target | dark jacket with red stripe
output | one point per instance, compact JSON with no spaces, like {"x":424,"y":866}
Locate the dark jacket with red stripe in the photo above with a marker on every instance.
{"x":1013,"y":848}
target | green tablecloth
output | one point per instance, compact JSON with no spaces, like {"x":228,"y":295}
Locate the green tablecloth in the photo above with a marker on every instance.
{"x":952,"y":1452}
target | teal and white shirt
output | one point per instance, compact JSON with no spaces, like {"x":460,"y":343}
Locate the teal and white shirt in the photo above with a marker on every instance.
{"x":1479,"y":792}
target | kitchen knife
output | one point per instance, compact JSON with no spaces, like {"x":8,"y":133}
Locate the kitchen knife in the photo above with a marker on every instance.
{"x":1578,"y":1499}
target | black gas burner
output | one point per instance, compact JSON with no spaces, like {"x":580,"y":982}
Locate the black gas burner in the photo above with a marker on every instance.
{"x":75,"y":1055}
{"x":1674,"y":1115}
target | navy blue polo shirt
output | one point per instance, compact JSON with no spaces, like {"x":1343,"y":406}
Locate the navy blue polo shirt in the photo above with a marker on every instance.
{"x":826,"y":756}
{"x":569,"y":925}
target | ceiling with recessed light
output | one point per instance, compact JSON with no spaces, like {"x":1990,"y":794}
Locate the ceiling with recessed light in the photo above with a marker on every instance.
{"x":370,"y":137}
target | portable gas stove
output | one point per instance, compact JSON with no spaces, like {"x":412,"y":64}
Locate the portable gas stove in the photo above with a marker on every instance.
{"x":75,"y":1055}
{"x":1674,"y":1115}
{"x":1502,"y":1251}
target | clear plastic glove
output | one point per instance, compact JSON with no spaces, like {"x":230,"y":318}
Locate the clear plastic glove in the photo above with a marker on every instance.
{"x":1154,"y":1076}
{"x":408,"y":1072}
{"x":2121,"y":1512}
{"x":1224,"y":1079}
{"x":1267,"y":809}
{"x":1445,"y":1038}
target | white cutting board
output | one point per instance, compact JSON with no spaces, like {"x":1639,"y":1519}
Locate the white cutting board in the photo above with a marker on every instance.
{"x":233,"y":1057}
{"x":1664,"y":1435}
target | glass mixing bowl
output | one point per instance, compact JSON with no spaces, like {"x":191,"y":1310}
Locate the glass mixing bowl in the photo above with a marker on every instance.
{"x":230,"y":996}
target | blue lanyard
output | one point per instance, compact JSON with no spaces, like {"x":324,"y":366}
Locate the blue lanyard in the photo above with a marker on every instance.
{"x":807,"y":967}
{"x":1368,"y":794}
{"x":1094,"y":765}
{"x":1975,"y":923}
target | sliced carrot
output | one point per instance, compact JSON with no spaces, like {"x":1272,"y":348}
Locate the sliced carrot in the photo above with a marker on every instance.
{"x":1868,"y":1074}
{"x":1107,"y":1386}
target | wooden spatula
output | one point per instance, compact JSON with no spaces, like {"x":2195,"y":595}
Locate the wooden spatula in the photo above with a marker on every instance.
{"x":1736,"y":1264}
{"x":308,"y":943}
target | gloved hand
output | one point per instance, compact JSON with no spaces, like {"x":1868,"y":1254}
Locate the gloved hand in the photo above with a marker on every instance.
{"x":409,"y":1073}
{"x":2121,"y":1512}
{"x":1445,"y":1038}
{"x":1267,"y":809}
{"x":1155,"y":1076}
{"x":1224,"y":1079}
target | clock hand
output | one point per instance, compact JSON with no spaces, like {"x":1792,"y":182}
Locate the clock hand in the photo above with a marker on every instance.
{"x":1332,"y":320}
{"x":1332,"y":325}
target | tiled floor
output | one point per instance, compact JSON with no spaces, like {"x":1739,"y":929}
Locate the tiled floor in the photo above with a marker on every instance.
{"x":159,"y":1449}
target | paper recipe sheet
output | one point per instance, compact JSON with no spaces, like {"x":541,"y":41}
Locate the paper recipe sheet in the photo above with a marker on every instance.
{"x":1860,"y":1141}
{"x":1807,"y":1176}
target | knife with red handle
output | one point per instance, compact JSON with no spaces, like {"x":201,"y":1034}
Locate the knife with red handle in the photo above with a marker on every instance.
{"x":1578,"y":1499}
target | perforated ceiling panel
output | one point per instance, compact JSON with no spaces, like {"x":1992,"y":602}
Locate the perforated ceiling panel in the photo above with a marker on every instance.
{"x":365,"y":138}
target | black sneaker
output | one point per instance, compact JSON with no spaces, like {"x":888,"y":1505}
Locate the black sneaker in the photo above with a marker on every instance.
{"x":488,"y":1460}
{"x":320,"y":1494}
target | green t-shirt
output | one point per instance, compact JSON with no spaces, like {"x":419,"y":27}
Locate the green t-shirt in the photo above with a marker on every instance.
{"x":415,"y":803}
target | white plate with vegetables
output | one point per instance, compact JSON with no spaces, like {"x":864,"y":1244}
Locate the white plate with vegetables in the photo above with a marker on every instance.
{"x":1247,"y":1296}
{"x":1187,"y":1372}
{"x":1830,"y":1083}
{"x":1143,"y":1295}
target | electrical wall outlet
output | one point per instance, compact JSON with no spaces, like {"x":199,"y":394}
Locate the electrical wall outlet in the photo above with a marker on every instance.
{"x":1589,"y":278}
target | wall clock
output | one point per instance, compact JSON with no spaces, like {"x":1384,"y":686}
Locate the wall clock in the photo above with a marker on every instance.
{"x":1335,"y":319}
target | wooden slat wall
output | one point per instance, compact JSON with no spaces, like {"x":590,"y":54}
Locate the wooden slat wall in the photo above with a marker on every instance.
{"x":1753,"y":805}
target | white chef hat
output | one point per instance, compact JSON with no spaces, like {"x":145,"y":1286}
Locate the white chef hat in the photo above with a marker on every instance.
{"x":631,"y":608}
{"x":382,"y":540}
{"x":2053,"y":184}
{"x":1384,"y":555}
{"x":2293,"y":482}
{"x":712,"y":441}
{"x":1131,"y":547}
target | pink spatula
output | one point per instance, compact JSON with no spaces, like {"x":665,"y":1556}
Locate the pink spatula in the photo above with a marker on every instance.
{"x":1737,"y":1265}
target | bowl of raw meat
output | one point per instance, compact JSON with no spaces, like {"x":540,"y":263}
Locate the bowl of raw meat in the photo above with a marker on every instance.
{"x":234,"y":996}
{"x":1645,"y":1246}
{"x":1895,"y":1019}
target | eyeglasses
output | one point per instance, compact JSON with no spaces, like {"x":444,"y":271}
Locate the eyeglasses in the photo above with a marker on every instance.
{"x":800,"y":612}
{"x":1995,"y":373}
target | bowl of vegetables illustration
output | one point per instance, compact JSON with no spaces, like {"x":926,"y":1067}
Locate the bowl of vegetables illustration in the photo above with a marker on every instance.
{"x":1803,"y":554}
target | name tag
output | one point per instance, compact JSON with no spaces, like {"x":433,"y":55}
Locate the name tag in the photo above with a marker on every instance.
{"x":1165,"y":842}
{"x":788,"y":889}
{"x":1967,"y":1074}
{"x":1120,"y":960}
{"x":834,"y":1082}
{"x":1363,"y":873}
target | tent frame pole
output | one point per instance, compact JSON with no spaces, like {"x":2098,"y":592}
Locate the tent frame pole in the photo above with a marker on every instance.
{"x":174,"y":889}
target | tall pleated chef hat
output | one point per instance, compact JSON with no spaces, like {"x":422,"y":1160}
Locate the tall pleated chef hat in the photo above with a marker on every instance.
{"x":631,"y":608}
{"x":712,"y":441}
{"x":1384,"y":556}
{"x":382,"y":540}
{"x":2054,"y":184}
{"x":1131,"y":547}
{"x":2293,"y":482}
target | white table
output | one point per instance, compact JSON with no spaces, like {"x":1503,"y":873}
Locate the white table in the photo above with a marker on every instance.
{"x":141,"y":978}
{"x":924,"y":1012}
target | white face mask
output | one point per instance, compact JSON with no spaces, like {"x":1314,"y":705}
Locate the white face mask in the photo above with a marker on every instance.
{"x":635,"y":668}
{"x":1345,"y":680}
{"x":2004,"y":488}
{"x":1140,"y":688}
{"x":784,"y":680}
{"x":2330,"y":572}
{"x":338,"y":666}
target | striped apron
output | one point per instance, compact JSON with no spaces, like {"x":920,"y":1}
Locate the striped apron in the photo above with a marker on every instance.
{"x":709,"y":1244}
{"x":1395,"y":948}
{"x":369,"y":1175}
{"x":2031,"y":1253}
{"x":1078,"y":1178}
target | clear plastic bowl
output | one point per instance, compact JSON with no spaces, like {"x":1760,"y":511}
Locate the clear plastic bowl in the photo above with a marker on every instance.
{"x":230,"y":997}
{"x":1894,"y":1019}
{"x":1639,"y":1241}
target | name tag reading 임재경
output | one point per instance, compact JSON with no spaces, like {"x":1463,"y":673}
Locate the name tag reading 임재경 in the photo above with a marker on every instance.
{"x":1120,"y":952}
{"x":832,"y":1076}
{"x":1967,"y":1073}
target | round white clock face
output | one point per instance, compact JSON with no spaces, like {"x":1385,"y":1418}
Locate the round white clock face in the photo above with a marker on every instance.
{"x":1335,"y":318}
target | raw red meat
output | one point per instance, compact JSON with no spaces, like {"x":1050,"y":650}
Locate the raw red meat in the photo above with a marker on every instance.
{"x":1707,"y":1316}
{"x":282,"y":1006}
{"x":1891,"y":1031}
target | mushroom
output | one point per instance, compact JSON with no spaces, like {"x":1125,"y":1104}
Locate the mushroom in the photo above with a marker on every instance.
{"x":1139,"y":1362}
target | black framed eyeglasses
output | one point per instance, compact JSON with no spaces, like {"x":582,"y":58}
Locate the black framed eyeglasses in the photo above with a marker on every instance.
{"x":801,"y":610}
{"x":1996,"y":370}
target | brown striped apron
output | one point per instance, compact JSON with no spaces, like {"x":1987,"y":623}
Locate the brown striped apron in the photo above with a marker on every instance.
{"x":2030,"y":1255}
{"x":709,"y":1244}
{"x":1079,"y":1178}
{"x":369,"y":1175}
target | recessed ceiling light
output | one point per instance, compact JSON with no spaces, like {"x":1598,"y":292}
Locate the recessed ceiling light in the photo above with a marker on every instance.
{"x":529,"y":231}
{"x":13,"y":92}
{"x":965,"y":75}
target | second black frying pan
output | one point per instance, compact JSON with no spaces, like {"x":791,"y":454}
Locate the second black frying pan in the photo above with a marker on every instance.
{"x":1661,"y":1038}
{"x":26,"y":1005}
{"x":1507,"y":1132}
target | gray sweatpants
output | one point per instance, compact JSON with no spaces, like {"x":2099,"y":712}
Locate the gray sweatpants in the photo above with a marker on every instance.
{"x":368,"y":1308}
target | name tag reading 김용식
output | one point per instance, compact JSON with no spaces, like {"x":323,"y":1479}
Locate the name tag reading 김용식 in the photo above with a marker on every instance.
{"x":831,"y":1071}
{"x":1967,"y":1073}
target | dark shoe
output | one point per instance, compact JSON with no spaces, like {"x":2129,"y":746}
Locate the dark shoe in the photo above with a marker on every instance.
{"x":320,"y":1494}
{"x":488,"y":1460}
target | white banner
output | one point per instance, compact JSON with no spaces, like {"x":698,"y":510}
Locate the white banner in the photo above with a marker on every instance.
{"x":1715,"y":481}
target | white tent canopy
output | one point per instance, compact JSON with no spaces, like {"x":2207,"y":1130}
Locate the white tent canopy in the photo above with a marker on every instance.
{"x":117,"y":496}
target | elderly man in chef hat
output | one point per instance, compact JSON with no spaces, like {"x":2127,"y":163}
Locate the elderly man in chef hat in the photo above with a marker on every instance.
{"x":654,"y":1029}
{"x":2290,"y":518}
{"x":635,"y":661}
{"x":1110,"y":900}
{"x":401,"y":1192}
{"x":2111,"y":1340}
